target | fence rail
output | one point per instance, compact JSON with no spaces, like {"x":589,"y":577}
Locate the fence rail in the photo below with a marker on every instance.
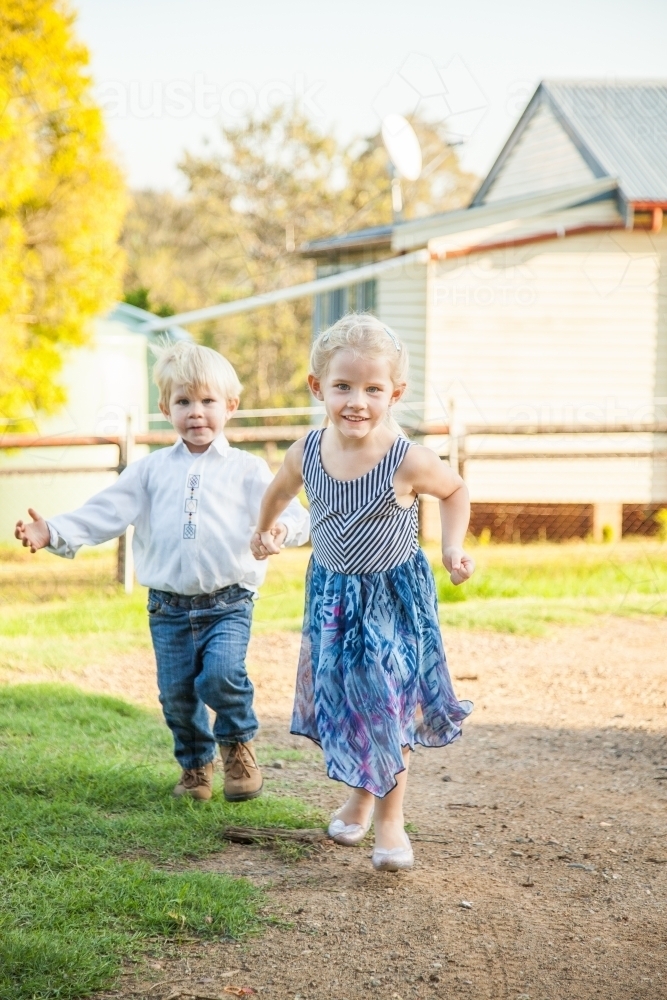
{"x":458,"y":452}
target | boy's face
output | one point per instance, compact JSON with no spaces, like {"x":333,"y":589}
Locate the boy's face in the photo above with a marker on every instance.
{"x":198,"y":415}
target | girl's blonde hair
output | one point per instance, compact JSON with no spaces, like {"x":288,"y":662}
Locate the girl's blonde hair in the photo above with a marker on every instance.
{"x":366,"y":336}
{"x":194,"y":367}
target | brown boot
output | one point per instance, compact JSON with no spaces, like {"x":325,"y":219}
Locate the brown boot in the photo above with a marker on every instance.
{"x":197,"y":782}
{"x":243,"y":778}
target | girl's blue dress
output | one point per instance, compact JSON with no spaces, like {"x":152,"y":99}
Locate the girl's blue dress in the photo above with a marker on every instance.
{"x":372,"y":675}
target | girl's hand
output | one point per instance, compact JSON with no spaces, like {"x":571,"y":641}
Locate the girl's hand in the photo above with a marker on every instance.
{"x":267,"y":543}
{"x":35,"y":535}
{"x":458,"y":564}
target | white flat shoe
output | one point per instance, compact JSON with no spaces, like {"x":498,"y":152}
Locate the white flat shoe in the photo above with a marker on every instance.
{"x":348,"y":834}
{"x":394,"y":859}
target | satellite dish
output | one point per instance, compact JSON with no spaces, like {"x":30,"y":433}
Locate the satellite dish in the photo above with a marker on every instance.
{"x":402,"y":146}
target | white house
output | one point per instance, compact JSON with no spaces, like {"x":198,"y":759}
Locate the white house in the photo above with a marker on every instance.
{"x":105,"y":381}
{"x":543,"y":303}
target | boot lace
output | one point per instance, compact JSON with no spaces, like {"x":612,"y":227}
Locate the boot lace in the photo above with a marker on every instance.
{"x":239,"y":761}
{"x":194,"y":777}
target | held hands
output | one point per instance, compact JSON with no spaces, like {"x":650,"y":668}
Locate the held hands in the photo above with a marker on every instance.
{"x":458,"y":564}
{"x":35,"y":535}
{"x":267,"y":543}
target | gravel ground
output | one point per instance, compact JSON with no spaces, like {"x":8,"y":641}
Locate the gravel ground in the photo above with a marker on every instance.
{"x":540,"y":837}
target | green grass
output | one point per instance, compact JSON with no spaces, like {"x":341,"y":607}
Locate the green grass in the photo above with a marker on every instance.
{"x":524,"y":589}
{"x":567,"y":571}
{"x":87,"y":821}
{"x":517,"y":588}
{"x":280,"y":601}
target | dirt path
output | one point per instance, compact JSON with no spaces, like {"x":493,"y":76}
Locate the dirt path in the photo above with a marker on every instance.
{"x":549,"y":818}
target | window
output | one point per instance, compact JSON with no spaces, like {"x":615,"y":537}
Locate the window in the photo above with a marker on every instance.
{"x":330,"y":306}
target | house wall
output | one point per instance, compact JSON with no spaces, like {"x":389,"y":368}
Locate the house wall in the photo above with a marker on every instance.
{"x":543,"y":158}
{"x":569,"y":330}
{"x":104,"y":382}
{"x":401,"y":304}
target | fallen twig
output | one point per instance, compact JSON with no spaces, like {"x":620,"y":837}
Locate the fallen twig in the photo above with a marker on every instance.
{"x":255,"y":835}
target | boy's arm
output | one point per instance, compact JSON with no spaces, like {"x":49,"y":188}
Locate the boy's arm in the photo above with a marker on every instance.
{"x":423,"y":472}
{"x":35,"y":534}
{"x":278,"y":501}
{"x":105,"y":516}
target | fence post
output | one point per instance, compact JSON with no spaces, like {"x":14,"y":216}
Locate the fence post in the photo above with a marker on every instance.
{"x":457,"y":440}
{"x":125,"y":563}
{"x":453,"y":442}
{"x":461,"y":451}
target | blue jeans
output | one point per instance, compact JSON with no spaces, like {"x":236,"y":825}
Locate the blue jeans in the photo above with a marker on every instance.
{"x":200,"y":646}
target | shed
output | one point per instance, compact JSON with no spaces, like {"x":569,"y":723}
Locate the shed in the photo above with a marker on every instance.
{"x":543,"y":304}
{"x":107,"y":380}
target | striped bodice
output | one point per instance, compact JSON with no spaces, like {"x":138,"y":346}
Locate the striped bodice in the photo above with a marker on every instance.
{"x":356,"y":525}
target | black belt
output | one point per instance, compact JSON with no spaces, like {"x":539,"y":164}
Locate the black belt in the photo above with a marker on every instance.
{"x":228,"y":595}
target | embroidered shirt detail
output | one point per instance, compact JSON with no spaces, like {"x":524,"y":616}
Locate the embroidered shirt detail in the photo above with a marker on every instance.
{"x":193,"y":485}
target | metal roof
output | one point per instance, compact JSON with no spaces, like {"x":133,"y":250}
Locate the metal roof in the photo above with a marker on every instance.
{"x":418,"y":232}
{"x":138,"y":321}
{"x":620,"y":129}
{"x":624,"y":125}
{"x":359,"y":239}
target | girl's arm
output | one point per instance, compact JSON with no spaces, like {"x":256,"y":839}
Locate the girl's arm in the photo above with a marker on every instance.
{"x":423,"y":472}
{"x":280,"y":492}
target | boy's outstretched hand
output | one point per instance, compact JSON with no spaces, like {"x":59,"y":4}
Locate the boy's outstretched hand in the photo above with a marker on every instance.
{"x":267,"y":543}
{"x":458,"y":564}
{"x":35,"y":535}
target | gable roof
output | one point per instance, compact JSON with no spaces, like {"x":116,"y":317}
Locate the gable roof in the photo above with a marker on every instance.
{"x":616,"y":130}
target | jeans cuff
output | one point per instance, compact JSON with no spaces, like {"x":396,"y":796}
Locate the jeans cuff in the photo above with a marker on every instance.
{"x":191,"y":763}
{"x":229,"y":741}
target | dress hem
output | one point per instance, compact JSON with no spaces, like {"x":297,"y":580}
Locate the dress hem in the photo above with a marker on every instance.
{"x":427,"y":746}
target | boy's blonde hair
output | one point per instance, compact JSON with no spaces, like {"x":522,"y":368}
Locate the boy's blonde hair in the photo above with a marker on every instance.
{"x":194,"y":367}
{"x":366,"y":336}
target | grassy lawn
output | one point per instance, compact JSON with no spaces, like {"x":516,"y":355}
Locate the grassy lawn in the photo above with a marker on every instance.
{"x":90,"y":834}
{"x":46,"y":602}
{"x":524,"y":589}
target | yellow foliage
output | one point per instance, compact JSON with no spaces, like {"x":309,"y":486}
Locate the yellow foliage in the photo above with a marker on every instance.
{"x":62,"y":202}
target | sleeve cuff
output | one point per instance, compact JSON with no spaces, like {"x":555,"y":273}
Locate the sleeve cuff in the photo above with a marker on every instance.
{"x":57,"y":544}
{"x":298,"y":528}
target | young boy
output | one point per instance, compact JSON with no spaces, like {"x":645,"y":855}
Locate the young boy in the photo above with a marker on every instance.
{"x":194,"y":508}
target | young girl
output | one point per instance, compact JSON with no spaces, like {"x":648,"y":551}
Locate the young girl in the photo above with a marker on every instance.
{"x":372,"y":678}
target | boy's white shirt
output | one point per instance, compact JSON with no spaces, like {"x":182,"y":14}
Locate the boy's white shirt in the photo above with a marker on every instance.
{"x":193,"y":517}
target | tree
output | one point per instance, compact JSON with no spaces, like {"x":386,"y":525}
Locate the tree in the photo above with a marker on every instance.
{"x":276,"y":183}
{"x":62,"y":201}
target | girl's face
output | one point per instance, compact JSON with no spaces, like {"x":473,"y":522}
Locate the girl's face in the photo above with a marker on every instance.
{"x":357,"y":392}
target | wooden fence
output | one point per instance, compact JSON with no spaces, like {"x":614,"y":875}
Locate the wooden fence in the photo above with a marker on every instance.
{"x":458,"y":451}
